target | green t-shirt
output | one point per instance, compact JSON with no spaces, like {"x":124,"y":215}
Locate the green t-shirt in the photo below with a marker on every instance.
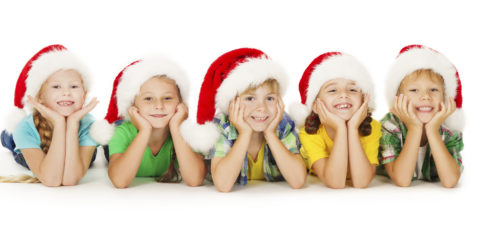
{"x":151,"y":166}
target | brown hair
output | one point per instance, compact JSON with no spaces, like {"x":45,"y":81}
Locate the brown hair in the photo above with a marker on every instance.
{"x":172,"y":175}
{"x":312,"y":124}
{"x":426,"y":73}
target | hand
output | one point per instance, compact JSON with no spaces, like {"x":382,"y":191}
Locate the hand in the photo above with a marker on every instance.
{"x":79,"y":114}
{"x":442,"y":115}
{"x":276,"y":119}
{"x":181,"y":113}
{"x":326,"y":117}
{"x":359,"y":115}
{"x":403,"y":109}
{"x":235,"y":115}
{"x":51,"y":116}
{"x":138,"y":120}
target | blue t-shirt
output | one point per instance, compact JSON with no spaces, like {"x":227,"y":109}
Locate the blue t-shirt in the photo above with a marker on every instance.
{"x":26,"y":134}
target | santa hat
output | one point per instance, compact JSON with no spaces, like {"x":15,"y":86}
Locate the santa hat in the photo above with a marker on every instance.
{"x":227,"y":77}
{"x":415,"y":57}
{"x":37,"y":70}
{"x":127,"y":85}
{"x":326,"y":67}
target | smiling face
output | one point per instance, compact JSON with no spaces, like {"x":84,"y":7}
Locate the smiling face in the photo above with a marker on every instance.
{"x":157,"y":100}
{"x":424,"y":88}
{"x":63,"y":92}
{"x":260,"y":105}
{"x":341,"y":97}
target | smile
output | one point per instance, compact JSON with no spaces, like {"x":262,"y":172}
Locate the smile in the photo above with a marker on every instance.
{"x":343,"y":106}
{"x":158,"y":115}
{"x":259,"y":119}
{"x":424,"y":109}
{"x":65,"y":103}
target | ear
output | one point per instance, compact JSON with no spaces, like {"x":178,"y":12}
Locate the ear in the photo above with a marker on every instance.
{"x":315,"y":106}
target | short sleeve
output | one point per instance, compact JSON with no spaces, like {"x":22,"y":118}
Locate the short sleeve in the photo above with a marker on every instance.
{"x":454,"y":145}
{"x":371,"y":142}
{"x":391,"y":140}
{"x":313,"y":147}
{"x":84,"y":138}
{"x":120,"y":140}
{"x":287,"y":135}
{"x":26,"y":135}
{"x":222,"y":146}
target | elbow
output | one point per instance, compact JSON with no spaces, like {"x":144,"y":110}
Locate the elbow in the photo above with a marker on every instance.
{"x":222,"y":186}
{"x":402,"y":183}
{"x":52,"y":182}
{"x":360,"y":185}
{"x":450,"y":183}
{"x":299,"y":182}
{"x":120,"y":185}
{"x":71,"y":182}
{"x":335,"y":184}
{"x":194,"y":183}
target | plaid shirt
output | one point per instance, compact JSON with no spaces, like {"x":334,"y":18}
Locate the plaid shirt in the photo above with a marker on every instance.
{"x":393,"y":137}
{"x":228,"y":135}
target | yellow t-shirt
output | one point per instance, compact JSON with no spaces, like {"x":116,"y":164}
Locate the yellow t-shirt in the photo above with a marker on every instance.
{"x":255,"y":169}
{"x":319,"y":145}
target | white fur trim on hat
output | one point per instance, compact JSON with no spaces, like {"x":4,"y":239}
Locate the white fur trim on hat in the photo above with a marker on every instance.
{"x":49,"y":63}
{"x":135,"y":75}
{"x":456,"y":121}
{"x":420,"y":58}
{"x":101,"y":131}
{"x":253,"y":71}
{"x":200,"y":137}
{"x":339,"y":66}
{"x":15,"y":116}
{"x":298,"y":112}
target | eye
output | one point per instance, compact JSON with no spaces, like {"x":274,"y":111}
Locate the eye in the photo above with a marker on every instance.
{"x":56,"y":86}
{"x":270,"y":98}
{"x":414,"y":90}
{"x":249,"y":98}
{"x":74,"y":86}
{"x":434,"y":90}
{"x":148,"y":99}
{"x":353,"y":90}
{"x":168,"y":98}
{"x":332,"y":90}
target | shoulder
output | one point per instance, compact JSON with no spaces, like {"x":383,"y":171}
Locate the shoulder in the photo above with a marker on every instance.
{"x":391,"y":123}
{"x":450,"y":133}
{"x":87,"y":120}
{"x":26,"y":125}
{"x":286,"y":124}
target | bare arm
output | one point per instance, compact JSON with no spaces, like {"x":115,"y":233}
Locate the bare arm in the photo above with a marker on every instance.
{"x":192,"y":165}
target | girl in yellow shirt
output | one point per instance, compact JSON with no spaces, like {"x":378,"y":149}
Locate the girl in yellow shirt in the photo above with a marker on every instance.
{"x":339,"y":137}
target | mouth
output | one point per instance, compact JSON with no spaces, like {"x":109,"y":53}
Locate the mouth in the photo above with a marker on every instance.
{"x":65,"y":103}
{"x":259,"y":118}
{"x":424,"y":109}
{"x":343,"y":106}
{"x":158,"y":115}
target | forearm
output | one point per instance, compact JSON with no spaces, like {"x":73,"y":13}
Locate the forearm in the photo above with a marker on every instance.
{"x":225,"y":170}
{"x":52,"y":166}
{"x":404,"y":166}
{"x":447,"y":168}
{"x":192,"y":165}
{"x":335,"y":171}
{"x":122,"y":170}
{"x":74,"y":168}
{"x":361,"y":170}
{"x":291,"y":165}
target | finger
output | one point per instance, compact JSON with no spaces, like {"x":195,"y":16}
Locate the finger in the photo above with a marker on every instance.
{"x":404,"y":104}
{"x":240,"y":113}
{"x":411,"y":112}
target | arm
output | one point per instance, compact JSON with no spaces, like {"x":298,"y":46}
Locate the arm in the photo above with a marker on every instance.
{"x":48,"y":168}
{"x":192,"y":165}
{"x":333,"y":170}
{"x":77,"y":159}
{"x":361,"y":170}
{"x":290,"y":165}
{"x":402,"y":169}
{"x":447,"y":168}
{"x":225,"y":170}
{"x":123,"y":167}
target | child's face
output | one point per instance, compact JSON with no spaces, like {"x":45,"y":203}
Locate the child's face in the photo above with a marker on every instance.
{"x":157,"y":101}
{"x":425,"y":94}
{"x":341,"y":97}
{"x":260,"y":107}
{"x":63,"y":92}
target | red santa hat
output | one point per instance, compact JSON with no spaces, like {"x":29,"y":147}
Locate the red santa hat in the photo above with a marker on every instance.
{"x":228,"y":76}
{"x":415,"y":57}
{"x":127,"y":85}
{"x":326,"y":67}
{"x":37,"y":70}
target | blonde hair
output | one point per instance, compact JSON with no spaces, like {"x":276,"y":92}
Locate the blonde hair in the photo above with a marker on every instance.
{"x":425,"y":73}
{"x":270,"y":83}
{"x":23,"y":178}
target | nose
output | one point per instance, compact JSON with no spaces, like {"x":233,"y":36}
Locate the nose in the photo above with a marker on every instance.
{"x":159,"y":104}
{"x":261,"y":105}
{"x":425,"y":95}
{"x":66,"y":92}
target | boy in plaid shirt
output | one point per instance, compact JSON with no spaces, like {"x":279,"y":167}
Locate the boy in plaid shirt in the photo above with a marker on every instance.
{"x":250,"y":137}
{"x":421,"y":136}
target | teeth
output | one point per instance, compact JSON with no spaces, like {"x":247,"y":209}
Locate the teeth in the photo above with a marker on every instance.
{"x":259,"y":118}
{"x":343,"y":106}
{"x":65,"y":103}
{"x":426,"y":109}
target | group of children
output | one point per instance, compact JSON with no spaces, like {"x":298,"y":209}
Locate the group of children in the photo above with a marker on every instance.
{"x":242,"y":131}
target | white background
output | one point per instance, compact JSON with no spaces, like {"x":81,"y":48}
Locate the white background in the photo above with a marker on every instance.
{"x":110,"y":35}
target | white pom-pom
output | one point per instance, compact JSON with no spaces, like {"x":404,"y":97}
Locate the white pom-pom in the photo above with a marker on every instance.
{"x":298,"y":112}
{"x":200,"y":137}
{"x":456,"y":121}
{"x":14,"y":117}
{"x":101,"y":131}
